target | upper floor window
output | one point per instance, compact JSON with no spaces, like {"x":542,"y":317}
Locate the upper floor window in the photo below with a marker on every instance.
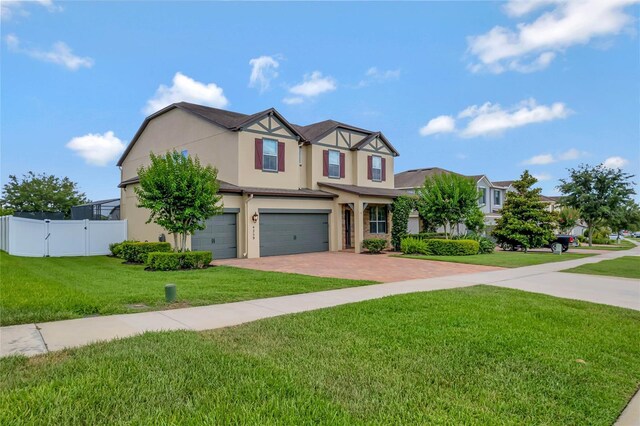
{"x":334,"y":163}
{"x":270,"y":155}
{"x":483,"y":196}
{"x":497,"y":197}
{"x":378,"y":220}
{"x":376,"y":168}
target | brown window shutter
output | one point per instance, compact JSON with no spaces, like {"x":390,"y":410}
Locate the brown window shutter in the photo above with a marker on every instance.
{"x":383,"y":164}
{"x":342,"y":156}
{"x":281,"y":156}
{"x":325,"y":162}
{"x":258,"y":159}
{"x":369,"y":167}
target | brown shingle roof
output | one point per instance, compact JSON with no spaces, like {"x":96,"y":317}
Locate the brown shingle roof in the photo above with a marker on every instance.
{"x":415,"y":177}
{"x":228,"y":188}
{"x":503,"y":183}
{"x":365,"y":190}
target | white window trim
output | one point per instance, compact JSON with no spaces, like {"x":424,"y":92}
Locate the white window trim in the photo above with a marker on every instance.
{"x":483,"y":197}
{"x":377,"y":221}
{"x":373,"y":168}
{"x":265,"y":155}
{"x":499,"y":203}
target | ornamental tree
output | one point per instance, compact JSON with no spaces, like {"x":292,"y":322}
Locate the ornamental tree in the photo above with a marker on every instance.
{"x":598,"y":192}
{"x":180,"y":194}
{"x":41,"y":193}
{"x":525,"y":220}
{"x":568,"y":218}
{"x":447,"y":199}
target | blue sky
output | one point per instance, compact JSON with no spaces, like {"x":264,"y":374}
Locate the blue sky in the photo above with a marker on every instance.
{"x":475,"y":87}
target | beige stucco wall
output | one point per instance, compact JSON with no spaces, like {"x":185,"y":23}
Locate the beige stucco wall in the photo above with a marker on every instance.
{"x":362,"y":178}
{"x":250,"y":176}
{"x":181,"y":130}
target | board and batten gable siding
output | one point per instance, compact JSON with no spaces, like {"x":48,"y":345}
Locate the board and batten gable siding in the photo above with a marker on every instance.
{"x":355,"y":170}
{"x":180,"y":130}
{"x":288,"y":174}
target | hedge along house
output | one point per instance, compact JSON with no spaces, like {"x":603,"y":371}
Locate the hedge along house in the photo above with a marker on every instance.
{"x":286,"y":188}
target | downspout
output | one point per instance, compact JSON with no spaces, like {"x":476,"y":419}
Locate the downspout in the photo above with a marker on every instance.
{"x":246,"y":219}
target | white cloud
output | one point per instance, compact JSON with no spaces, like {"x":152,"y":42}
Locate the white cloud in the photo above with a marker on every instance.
{"x":532,"y":46}
{"x":313,"y":84}
{"x":11,"y":8}
{"x":60,"y":54}
{"x":375,"y":75}
{"x":615,"y":162}
{"x":543,"y":176}
{"x":492,"y":119}
{"x":441,"y":124}
{"x":540,"y":159}
{"x":97,"y":149}
{"x":293,"y":100}
{"x":263,"y":70}
{"x":186,"y":89}
{"x":571,"y":154}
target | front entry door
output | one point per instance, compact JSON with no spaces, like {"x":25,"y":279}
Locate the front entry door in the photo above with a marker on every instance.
{"x":347,"y":229}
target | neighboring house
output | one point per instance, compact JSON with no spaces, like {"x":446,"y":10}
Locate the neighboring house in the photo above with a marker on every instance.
{"x":286,"y":188}
{"x":491,"y":200}
{"x":553,"y":204}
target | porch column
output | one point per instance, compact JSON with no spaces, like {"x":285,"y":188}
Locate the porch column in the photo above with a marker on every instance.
{"x":358,"y":222}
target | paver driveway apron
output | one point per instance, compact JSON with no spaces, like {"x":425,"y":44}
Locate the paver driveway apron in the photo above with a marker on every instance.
{"x":379,"y":267}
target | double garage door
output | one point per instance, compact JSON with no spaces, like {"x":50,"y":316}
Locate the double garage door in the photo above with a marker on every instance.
{"x":293,"y":232}
{"x":281,"y":233}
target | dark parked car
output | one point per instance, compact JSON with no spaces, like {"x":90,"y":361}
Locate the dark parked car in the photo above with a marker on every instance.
{"x":565,"y":240}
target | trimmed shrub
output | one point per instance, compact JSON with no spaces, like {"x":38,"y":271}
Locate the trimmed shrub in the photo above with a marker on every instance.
{"x":427,"y":235}
{"x":439,"y":247}
{"x":171,"y":261}
{"x":374,"y":245}
{"x":401,"y":209}
{"x":138,"y":252}
{"x":116,"y":248}
{"x":412,"y":245}
{"x":487,"y":246}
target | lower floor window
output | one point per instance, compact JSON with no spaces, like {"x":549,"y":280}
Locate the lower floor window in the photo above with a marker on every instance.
{"x":378,"y":220}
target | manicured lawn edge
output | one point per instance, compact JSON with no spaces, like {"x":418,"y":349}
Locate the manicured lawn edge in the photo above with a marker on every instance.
{"x":502,"y":259}
{"x":623,"y":267}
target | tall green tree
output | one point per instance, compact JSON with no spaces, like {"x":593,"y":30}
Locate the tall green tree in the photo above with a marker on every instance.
{"x":41,"y":193}
{"x":568,"y":218}
{"x":180,"y":194}
{"x":446,"y":200}
{"x":598,"y":192}
{"x":626,"y":218}
{"x":525,"y":220}
{"x":474,"y":222}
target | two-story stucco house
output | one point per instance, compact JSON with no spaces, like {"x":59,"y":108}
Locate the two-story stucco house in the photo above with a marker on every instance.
{"x":286,"y":188}
{"x":491,"y":200}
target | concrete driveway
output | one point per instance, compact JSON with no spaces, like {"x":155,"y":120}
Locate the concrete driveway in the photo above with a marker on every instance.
{"x":379,"y":267}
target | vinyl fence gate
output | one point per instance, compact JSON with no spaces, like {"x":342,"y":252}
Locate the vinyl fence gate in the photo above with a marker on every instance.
{"x":38,"y":238}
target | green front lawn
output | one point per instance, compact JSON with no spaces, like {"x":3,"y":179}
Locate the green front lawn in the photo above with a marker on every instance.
{"x":624,"y":245}
{"x":504,"y":259}
{"x":47,"y":289}
{"x":626,"y":267}
{"x":479,"y":355}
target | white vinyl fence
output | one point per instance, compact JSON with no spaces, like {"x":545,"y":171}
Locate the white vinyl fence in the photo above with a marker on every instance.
{"x":38,"y":238}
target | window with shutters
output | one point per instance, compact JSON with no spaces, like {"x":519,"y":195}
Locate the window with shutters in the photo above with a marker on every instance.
{"x":378,"y":220}
{"x":376,"y":168}
{"x":334,"y":163}
{"x":269,"y":155}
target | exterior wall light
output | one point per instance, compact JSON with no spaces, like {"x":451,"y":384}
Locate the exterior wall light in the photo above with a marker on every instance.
{"x":254,"y":218}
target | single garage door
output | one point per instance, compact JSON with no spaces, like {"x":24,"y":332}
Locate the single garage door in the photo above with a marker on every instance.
{"x":219,"y":237}
{"x":290,"y":233}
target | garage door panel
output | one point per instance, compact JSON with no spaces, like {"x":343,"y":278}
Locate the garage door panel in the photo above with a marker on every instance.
{"x":219,"y":237}
{"x":290,"y":233}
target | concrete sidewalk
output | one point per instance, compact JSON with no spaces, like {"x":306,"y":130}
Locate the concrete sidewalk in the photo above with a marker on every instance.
{"x":33,"y":339}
